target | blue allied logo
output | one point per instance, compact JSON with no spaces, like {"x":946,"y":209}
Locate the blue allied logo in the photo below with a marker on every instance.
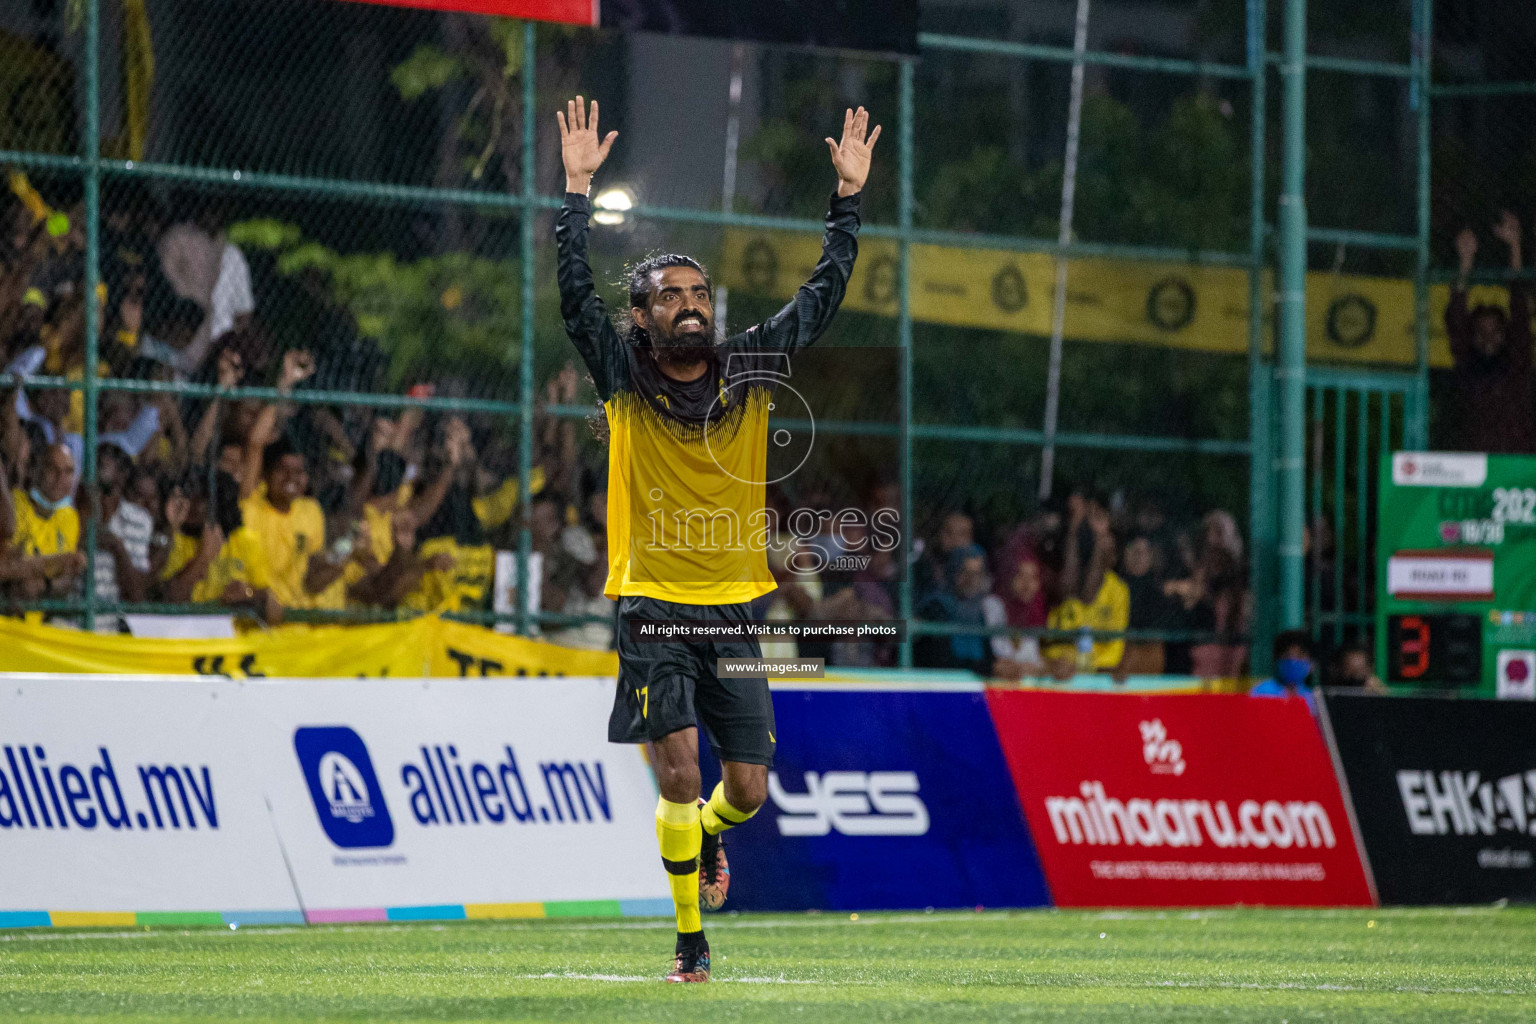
{"x":344,"y":787}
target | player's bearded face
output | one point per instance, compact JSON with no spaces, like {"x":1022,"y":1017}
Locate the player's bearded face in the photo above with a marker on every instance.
{"x":680,"y":318}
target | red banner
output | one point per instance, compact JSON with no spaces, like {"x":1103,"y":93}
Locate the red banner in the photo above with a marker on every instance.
{"x":1167,"y":801}
{"x":571,"y":12}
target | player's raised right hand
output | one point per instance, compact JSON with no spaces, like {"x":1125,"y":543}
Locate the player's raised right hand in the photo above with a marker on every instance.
{"x":581,"y":148}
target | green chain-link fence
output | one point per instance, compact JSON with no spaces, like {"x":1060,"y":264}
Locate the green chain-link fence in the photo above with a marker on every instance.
{"x":380,"y":173}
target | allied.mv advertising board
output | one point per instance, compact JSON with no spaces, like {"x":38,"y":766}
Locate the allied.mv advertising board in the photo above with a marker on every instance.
{"x":129,"y":801}
{"x":402,"y":797}
{"x":133,"y":801}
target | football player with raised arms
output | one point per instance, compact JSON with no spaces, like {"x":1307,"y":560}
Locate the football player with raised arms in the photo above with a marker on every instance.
{"x":687,"y":458}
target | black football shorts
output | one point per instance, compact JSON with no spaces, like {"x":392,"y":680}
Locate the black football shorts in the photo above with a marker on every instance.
{"x":668,"y":685}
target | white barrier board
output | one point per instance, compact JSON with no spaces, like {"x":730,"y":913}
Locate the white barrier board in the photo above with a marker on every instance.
{"x":391,"y":793}
{"x":134,"y":795}
{"x":351,"y":799}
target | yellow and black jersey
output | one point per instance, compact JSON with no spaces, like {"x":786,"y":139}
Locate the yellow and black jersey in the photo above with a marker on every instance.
{"x":463,"y":586}
{"x":687,"y":461}
{"x":36,"y":534}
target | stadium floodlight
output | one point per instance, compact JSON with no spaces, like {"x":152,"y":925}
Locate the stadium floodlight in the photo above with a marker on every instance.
{"x":612,"y":205}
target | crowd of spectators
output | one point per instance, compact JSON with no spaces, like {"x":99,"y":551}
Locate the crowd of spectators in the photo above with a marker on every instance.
{"x":1040,"y":603}
{"x":271,"y":507}
{"x":264,"y":508}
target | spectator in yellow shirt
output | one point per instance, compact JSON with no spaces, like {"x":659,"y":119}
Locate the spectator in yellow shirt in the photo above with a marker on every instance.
{"x":44,"y":528}
{"x":307,"y":568}
{"x":46,"y":535}
{"x":389,"y":568}
{"x":1093,"y":596}
{"x":226,"y":565}
{"x":461,"y":562}
{"x":304,"y":571}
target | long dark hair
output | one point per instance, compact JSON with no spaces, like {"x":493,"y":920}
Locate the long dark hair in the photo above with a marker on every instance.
{"x":638,"y":284}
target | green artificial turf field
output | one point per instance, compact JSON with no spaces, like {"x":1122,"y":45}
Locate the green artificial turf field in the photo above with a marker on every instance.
{"x":1472,"y":964}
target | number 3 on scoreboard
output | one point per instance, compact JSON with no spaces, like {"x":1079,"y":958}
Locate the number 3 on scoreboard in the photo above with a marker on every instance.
{"x":1412,"y":647}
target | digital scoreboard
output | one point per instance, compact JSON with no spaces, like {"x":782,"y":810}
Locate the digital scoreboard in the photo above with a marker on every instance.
{"x":1435,"y":648}
{"x":1456,"y":598}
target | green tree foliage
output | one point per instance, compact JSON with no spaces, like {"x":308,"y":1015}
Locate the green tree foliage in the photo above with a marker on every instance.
{"x":1180,"y":181}
{"x":435,"y":317}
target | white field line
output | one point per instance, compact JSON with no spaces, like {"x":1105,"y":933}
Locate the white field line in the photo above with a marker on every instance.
{"x":1233,"y":986}
{"x":573,"y":976}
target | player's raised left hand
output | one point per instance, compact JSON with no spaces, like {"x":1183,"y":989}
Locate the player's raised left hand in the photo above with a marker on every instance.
{"x":850,"y":155}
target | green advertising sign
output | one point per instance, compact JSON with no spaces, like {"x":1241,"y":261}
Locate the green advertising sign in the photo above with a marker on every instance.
{"x":1456,"y":547}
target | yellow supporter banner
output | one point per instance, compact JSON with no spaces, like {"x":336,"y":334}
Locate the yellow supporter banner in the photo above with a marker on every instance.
{"x":1351,"y":318}
{"x":427,"y":646}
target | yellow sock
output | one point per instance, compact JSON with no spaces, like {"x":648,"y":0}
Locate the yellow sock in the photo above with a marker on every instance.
{"x":718,"y":815}
{"x":678,"y":835}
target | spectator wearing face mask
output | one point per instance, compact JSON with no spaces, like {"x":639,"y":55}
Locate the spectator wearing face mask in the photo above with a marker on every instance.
{"x":42,"y":558}
{"x":46,"y":520}
{"x":1293,"y":669}
{"x":1492,"y":402}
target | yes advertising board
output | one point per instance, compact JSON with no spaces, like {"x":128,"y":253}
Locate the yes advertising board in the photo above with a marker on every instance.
{"x":128,"y":801}
{"x":883,"y":799}
{"x":1179,"y":800}
{"x":1445,"y":791}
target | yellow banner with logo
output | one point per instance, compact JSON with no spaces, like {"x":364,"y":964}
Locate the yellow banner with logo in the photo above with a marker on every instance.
{"x":1351,"y":318}
{"x":428,"y":646}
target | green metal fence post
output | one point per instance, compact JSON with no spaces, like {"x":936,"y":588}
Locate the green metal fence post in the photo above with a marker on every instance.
{"x":1317,"y":398}
{"x":1362,"y":505}
{"x":525,"y":362}
{"x":1416,"y":429}
{"x":905,"y":137}
{"x":1340,"y":420}
{"x":92,"y":275}
{"x":1292,"y":301}
{"x":1261,"y":511}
